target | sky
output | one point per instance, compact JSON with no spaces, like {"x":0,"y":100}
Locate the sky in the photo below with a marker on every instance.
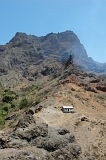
{"x":86,"y":18}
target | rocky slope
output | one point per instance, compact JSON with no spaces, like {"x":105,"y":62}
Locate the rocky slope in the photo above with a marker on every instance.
{"x":34,"y":139}
{"x":38,"y":75}
{"x":31,"y":56}
{"x":48,"y":133}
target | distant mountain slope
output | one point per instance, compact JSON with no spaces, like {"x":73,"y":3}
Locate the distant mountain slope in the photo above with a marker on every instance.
{"x":33,"y":56}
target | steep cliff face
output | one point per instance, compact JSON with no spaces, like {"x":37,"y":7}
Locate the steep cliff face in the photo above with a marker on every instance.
{"x":30,"y":54}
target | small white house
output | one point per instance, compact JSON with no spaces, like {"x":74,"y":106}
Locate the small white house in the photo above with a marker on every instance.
{"x":68,"y":109}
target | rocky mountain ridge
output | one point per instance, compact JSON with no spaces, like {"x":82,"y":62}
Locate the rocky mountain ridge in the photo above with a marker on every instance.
{"x":30,"y":55}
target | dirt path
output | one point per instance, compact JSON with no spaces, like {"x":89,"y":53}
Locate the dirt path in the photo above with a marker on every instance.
{"x":89,"y":134}
{"x":55,"y":117}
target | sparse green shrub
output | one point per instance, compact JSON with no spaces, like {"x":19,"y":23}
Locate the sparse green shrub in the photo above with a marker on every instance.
{"x":38,"y":100}
{"x":5,"y":108}
{"x":101,"y":97}
{"x":2,"y":121}
{"x":7,"y":98}
{"x":36,"y":86}
{"x":9,"y":91}
{"x":24,"y":103}
{"x":3,"y":113}
{"x":7,"y":105}
{"x":14,"y":103}
{"x":31,"y":88}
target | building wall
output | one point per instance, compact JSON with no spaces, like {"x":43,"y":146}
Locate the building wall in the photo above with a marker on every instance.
{"x":67,"y":110}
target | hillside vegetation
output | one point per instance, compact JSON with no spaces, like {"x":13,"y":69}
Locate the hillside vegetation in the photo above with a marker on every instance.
{"x":38,"y":77}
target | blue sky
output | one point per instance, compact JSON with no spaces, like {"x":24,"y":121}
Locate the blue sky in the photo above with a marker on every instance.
{"x":40,"y":17}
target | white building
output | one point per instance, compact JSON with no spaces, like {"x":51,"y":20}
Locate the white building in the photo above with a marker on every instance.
{"x":68,"y":109}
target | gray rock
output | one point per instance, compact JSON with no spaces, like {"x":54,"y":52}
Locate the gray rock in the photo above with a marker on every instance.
{"x":32,"y":131}
{"x":48,"y":142}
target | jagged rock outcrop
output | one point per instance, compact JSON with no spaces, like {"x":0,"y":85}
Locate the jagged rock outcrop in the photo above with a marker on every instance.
{"x":33,"y":56}
{"x":53,"y":143}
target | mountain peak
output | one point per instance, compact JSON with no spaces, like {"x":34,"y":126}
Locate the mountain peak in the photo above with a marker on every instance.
{"x":20,"y":34}
{"x":24,"y":50}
